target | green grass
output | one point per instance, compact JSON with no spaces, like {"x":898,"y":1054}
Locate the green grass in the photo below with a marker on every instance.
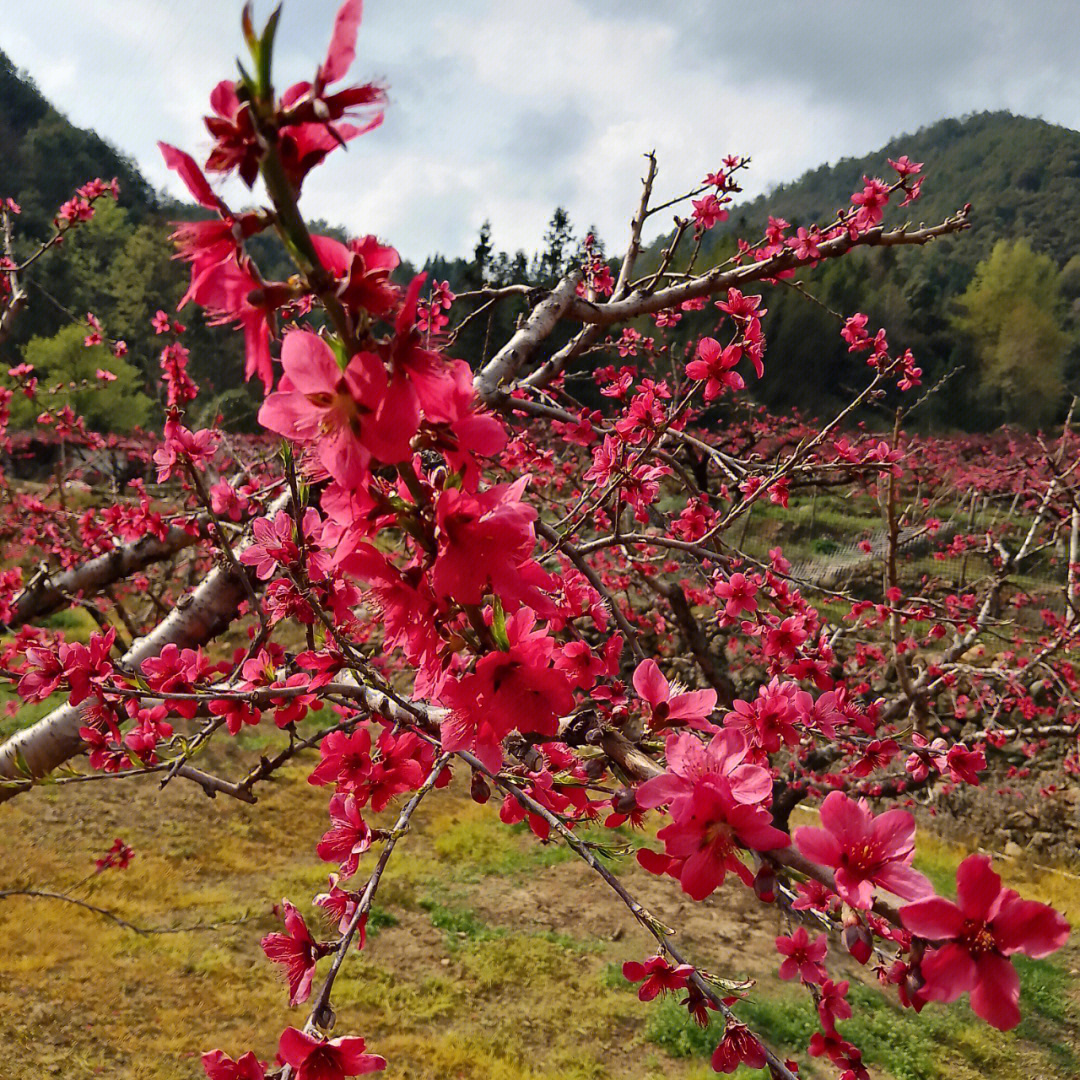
{"x":612,"y":978}
{"x":479,"y":845}
{"x":669,"y":1027}
{"x":465,"y":977}
{"x":1043,"y":988}
{"x":379,"y":919}
{"x":459,"y":924}
{"x":75,"y":623}
{"x":462,"y":924}
{"x":941,"y":1042}
{"x":476,"y":844}
{"x":938,"y":864}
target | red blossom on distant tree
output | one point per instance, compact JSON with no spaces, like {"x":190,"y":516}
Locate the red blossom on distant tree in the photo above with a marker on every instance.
{"x":118,"y":856}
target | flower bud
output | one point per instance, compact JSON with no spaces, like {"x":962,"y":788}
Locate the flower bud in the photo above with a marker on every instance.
{"x":480,"y":791}
{"x":765,"y":884}
{"x":595,"y":767}
{"x":857,"y":941}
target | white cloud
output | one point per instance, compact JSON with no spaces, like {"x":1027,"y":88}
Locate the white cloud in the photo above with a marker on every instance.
{"x":503,"y":108}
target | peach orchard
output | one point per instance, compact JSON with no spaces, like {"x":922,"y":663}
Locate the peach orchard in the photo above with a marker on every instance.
{"x":493,"y":580}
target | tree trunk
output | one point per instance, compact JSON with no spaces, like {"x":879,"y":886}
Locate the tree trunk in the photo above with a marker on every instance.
{"x":197,"y":618}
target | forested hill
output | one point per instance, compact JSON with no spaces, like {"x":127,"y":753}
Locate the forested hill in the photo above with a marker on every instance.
{"x":999,"y":305}
{"x":1002,"y":301}
{"x":45,"y":157}
{"x":1022,"y":176}
{"x":119,"y":266}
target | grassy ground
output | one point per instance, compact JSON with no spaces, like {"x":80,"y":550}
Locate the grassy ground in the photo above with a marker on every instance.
{"x":490,"y":956}
{"x":813,"y":531}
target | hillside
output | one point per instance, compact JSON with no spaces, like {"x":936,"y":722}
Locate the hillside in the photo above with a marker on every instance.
{"x":46,"y":157}
{"x":1021,"y":175}
{"x":119,"y":266}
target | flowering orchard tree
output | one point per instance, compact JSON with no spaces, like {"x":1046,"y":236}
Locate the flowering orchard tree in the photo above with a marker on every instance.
{"x":488,"y":577}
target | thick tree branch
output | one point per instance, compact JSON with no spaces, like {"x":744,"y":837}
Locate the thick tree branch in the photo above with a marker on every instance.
{"x":198,"y":618}
{"x":51,"y":592}
{"x":720,"y":279}
{"x":505,"y":364}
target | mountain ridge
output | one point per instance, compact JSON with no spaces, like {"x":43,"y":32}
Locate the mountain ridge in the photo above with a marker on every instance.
{"x":46,"y":156}
{"x":982,"y":158}
{"x":1021,"y":175}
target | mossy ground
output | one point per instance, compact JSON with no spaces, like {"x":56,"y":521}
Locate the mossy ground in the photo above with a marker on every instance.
{"x":490,"y":955}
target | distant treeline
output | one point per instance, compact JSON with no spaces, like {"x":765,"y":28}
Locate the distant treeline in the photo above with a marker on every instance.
{"x":1002,"y":302}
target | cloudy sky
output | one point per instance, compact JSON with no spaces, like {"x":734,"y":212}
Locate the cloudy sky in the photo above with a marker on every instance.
{"x":502,"y":109}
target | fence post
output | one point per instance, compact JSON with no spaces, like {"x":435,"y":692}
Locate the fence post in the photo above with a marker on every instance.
{"x":971,"y":529}
{"x":1070,"y":574}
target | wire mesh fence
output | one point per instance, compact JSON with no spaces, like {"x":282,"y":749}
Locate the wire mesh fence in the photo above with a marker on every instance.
{"x":843,"y":547}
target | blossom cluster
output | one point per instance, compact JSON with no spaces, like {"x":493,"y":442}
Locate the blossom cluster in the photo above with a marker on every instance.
{"x":460,"y":566}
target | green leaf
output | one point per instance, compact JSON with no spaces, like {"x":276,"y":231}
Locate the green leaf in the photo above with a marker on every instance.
{"x":21,"y":766}
{"x":498,"y":626}
{"x":265,"y":55}
{"x":246,"y":82}
{"x":338,"y":348}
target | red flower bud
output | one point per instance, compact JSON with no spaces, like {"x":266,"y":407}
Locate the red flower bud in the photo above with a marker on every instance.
{"x":480,"y":791}
{"x":858,"y":942}
{"x":765,"y":884}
